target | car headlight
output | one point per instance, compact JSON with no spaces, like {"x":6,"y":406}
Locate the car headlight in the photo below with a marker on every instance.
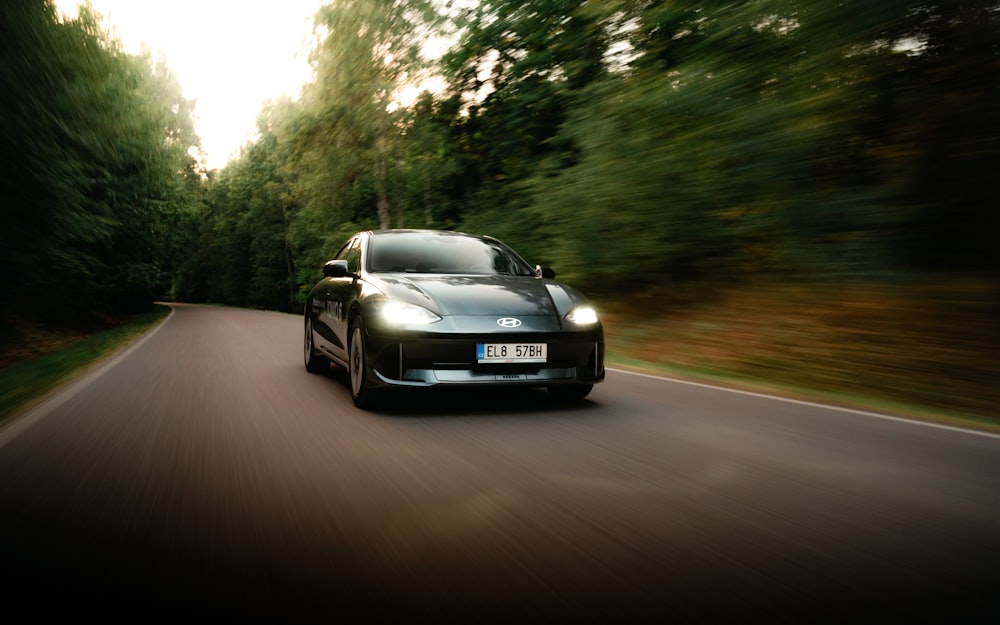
{"x":582,"y":316}
{"x":403,"y":314}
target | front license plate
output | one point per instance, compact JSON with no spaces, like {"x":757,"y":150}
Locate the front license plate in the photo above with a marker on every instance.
{"x":511,"y":352}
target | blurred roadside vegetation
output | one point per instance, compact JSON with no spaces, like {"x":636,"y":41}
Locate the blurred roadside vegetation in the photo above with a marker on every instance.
{"x":792,"y":190}
{"x":927,"y":350}
{"x":45,"y":357}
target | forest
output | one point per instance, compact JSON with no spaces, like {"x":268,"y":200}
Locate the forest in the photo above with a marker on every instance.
{"x":636,"y":146}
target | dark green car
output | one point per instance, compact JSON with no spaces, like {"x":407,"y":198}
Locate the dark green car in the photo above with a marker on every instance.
{"x":429,"y":308}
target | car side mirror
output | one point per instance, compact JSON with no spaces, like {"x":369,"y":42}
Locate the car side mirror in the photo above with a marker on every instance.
{"x":335,"y":269}
{"x":543,"y":271}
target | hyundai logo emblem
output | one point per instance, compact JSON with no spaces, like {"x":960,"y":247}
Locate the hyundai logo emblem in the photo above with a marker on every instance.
{"x":509,"y":322}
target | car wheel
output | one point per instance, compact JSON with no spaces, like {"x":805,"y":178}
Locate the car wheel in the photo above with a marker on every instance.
{"x":315,"y":363}
{"x":570,"y":392}
{"x":357,"y":366}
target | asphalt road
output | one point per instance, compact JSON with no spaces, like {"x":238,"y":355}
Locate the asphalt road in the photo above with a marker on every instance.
{"x":205,"y":473}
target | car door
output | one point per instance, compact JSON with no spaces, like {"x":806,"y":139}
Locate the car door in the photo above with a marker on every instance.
{"x":325,"y":308}
{"x":340,"y":292}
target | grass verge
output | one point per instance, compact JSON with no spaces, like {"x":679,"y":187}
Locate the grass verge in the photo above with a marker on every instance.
{"x":68,"y":354}
{"x":928,"y":350}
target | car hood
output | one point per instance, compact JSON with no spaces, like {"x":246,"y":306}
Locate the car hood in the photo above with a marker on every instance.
{"x":482,"y":295}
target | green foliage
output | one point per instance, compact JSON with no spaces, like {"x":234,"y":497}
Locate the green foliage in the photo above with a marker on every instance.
{"x":522,"y":64}
{"x":772,"y":137}
{"x":349,"y":134}
{"x":629,"y":143}
{"x":95,"y":166}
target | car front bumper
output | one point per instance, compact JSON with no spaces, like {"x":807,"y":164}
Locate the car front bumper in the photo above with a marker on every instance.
{"x":425,"y":361}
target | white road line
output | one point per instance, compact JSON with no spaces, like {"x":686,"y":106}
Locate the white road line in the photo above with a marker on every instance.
{"x":19,"y":424}
{"x":865,"y":413}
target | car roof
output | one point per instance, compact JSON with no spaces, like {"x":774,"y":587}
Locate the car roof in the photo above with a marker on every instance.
{"x":390,"y":231}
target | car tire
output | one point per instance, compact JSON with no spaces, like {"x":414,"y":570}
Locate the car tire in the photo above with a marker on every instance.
{"x":570,"y":392}
{"x":315,"y":363}
{"x":357,"y":366}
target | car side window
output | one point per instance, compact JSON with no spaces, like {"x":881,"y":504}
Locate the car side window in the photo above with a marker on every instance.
{"x":351,"y":252}
{"x":342,"y":254}
{"x":354,"y":256}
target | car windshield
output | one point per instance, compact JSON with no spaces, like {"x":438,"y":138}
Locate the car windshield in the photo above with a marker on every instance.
{"x":443,"y":252}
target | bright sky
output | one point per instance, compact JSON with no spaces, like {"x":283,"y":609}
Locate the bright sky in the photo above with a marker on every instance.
{"x":229,"y":55}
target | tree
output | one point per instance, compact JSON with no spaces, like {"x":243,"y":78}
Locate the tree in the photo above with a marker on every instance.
{"x":367,"y":52}
{"x":518,"y":68}
{"x":709,"y":141}
{"x":96,"y":164}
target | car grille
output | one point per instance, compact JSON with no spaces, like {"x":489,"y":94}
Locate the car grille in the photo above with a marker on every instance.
{"x":395,"y":359}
